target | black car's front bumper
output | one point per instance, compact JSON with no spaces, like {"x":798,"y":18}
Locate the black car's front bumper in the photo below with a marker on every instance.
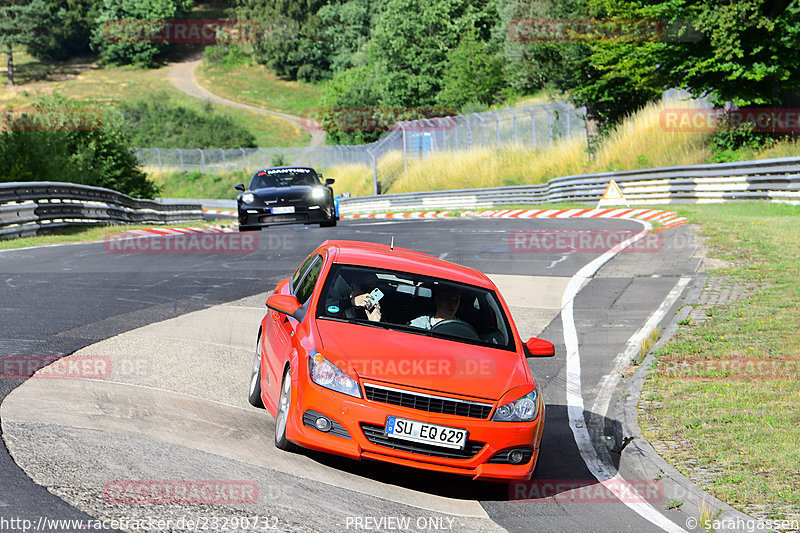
{"x":255,"y":218}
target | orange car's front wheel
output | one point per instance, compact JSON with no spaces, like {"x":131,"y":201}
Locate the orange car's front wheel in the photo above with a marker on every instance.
{"x":284,"y":406}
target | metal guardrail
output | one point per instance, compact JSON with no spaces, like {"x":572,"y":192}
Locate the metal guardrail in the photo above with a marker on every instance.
{"x":769,"y":179}
{"x":28,"y":208}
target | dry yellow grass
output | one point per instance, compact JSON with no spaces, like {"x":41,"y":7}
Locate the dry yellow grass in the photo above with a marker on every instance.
{"x":639,"y":142}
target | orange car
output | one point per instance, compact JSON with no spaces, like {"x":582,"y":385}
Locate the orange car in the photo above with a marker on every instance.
{"x":375,"y":352}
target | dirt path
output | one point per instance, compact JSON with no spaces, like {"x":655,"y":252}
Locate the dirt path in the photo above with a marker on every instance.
{"x":182,"y":75}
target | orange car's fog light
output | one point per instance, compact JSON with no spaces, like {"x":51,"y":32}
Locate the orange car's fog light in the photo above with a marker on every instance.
{"x":320,"y":422}
{"x":514,"y":456}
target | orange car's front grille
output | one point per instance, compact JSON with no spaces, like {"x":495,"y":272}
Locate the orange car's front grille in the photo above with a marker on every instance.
{"x":426,"y":402}
{"x":376,"y":435}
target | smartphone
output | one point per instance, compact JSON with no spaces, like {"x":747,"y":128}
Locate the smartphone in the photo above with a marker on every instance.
{"x":373,"y":298}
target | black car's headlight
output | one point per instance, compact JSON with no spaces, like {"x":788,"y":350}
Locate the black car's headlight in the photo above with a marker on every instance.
{"x":317,"y":193}
{"x":522,"y":409}
{"x":326,"y":374}
{"x":248,"y":198}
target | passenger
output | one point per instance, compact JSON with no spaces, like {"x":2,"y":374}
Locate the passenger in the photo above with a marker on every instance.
{"x":360,"y":289}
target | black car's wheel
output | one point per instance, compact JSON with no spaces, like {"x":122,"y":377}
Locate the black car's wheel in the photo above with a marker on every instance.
{"x":284,"y":407}
{"x":328,"y":224}
{"x":255,"y":378}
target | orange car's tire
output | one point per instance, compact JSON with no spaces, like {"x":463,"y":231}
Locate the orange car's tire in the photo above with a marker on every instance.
{"x":254,"y":396}
{"x":284,"y":408}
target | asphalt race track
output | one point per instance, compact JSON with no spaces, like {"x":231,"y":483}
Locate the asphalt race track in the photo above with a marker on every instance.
{"x":177,"y":332}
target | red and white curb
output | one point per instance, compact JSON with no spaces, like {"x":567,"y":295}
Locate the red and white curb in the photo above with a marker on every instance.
{"x":151,"y":232}
{"x":223,"y":212}
{"x":666,"y":219}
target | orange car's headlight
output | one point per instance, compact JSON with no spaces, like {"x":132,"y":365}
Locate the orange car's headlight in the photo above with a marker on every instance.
{"x":523,"y":409}
{"x":326,"y":374}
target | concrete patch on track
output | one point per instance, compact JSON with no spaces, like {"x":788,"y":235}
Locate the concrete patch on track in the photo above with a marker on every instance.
{"x":177,"y":388}
{"x":534,"y":301}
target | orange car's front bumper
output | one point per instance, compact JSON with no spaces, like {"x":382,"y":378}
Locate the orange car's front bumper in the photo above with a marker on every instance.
{"x":349,"y":413}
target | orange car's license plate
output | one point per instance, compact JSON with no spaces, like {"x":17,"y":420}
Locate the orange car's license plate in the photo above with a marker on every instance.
{"x":447,"y":437}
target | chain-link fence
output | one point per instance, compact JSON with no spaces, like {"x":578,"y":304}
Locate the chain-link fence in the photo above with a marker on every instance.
{"x":532,"y":126}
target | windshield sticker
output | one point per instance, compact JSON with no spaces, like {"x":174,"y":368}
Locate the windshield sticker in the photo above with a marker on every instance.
{"x":333,"y":309}
{"x":287,"y":170}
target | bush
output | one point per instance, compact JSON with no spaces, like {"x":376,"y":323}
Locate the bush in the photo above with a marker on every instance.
{"x":226,"y":55}
{"x":121,"y":40}
{"x":739,"y":142}
{"x":67,"y":140}
{"x":159,"y":123}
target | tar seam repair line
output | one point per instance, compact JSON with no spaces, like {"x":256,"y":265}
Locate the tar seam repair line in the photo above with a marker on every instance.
{"x":575,"y":407}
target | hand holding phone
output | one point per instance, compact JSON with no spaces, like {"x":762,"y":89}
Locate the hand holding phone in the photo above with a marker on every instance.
{"x":373,"y":298}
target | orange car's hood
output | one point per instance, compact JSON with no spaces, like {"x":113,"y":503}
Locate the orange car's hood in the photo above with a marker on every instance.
{"x":409,"y":359}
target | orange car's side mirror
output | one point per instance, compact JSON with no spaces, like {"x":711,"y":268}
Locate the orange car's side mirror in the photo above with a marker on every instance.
{"x":282,"y":303}
{"x":539,"y":348}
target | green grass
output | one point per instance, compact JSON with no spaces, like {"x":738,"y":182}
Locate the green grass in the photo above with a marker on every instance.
{"x":85,"y":234}
{"x":254,"y":85}
{"x":728,"y":388}
{"x":88,"y":81}
{"x":202,"y":186}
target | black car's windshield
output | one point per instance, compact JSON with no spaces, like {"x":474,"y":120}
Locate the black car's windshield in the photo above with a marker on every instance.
{"x":283,"y":177}
{"x":416,"y":304}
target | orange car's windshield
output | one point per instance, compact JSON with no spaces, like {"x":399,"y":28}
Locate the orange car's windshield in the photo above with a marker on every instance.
{"x":416,"y":304}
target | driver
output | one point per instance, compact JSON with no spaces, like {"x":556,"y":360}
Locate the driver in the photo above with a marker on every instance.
{"x":447,"y":300}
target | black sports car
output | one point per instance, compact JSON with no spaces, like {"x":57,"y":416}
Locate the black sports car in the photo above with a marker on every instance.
{"x":286,"y":195}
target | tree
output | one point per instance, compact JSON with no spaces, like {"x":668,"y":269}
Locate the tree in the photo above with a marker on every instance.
{"x":745,"y":50}
{"x":346,"y":28}
{"x":20,"y":20}
{"x":71,"y":37}
{"x":290,"y":37}
{"x":124,"y":27}
{"x":472,"y":75}
{"x":411,"y":40}
{"x":67,"y":140}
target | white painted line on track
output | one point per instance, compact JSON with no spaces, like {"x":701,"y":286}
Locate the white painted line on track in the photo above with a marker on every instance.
{"x":612,"y":481}
{"x":622,"y":360}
